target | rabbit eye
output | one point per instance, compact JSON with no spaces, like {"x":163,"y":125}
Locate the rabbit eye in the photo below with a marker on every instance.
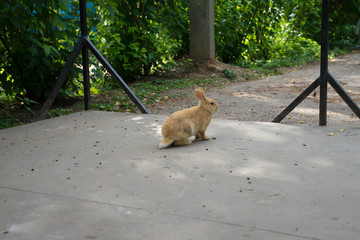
{"x":212,"y":103}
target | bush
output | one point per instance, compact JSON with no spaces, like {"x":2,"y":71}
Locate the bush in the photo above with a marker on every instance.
{"x":141,"y":37}
{"x":35,"y":42}
{"x":274,"y":32}
{"x":243,"y":29}
{"x":343,"y":19}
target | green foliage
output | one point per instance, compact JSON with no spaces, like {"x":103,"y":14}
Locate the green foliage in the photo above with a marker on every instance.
{"x":343,"y":18}
{"x":253,"y":33}
{"x":156,"y":91}
{"x":35,"y":41}
{"x":275,"y":33}
{"x":58,"y":112}
{"x":244,"y":28}
{"x":8,"y":121}
{"x":141,"y":37}
{"x":26,"y":103}
{"x":13,"y":111}
{"x":342,"y":27}
{"x":228,"y":73}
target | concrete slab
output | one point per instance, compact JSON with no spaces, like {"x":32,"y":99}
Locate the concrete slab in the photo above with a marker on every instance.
{"x":99,"y":175}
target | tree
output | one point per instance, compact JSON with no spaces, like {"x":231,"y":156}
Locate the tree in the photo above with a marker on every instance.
{"x":202,"y":39}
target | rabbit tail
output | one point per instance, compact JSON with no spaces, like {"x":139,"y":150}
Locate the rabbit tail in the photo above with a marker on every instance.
{"x":166,"y":142}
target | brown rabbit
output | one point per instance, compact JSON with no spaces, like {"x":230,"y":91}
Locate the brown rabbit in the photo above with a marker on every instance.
{"x":181,"y":125}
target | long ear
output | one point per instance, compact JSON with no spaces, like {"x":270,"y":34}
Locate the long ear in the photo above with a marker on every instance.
{"x":202,"y":90}
{"x":200,"y":94}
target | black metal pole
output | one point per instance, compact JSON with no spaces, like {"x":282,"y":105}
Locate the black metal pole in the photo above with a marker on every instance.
{"x":344,"y":95}
{"x":324,"y":79}
{"x":324,"y":62}
{"x":86,"y":78}
{"x":60,"y":81}
{"x":297,"y":101}
{"x":83,"y":22}
{"x":85,"y":56}
{"x":83,"y":45}
{"x":116,"y":76}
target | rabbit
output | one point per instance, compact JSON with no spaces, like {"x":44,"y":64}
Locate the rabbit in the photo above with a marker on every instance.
{"x":180,"y":126}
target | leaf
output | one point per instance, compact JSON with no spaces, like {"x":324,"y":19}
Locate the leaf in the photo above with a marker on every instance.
{"x":54,"y":50}
{"x":66,"y":3}
{"x":58,"y":22}
{"x":16,"y":22}
{"x":151,"y":55}
{"x":33,"y":50}
{"x":37,"y":42}
{"x":47,"y":50}
{"x":42,"y":24}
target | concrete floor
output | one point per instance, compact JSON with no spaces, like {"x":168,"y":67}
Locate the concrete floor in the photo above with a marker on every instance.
{"x":100,"y":175}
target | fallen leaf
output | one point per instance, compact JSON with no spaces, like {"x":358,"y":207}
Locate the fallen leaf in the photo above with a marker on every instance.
{"x":301,"y":122}
{"x":331,"y":134}
{"x":341,"y":130}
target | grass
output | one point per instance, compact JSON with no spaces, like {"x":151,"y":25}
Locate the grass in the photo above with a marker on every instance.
{"x":17,"y":111}
{"x":154,"y":91}
{"x":10,"y":106}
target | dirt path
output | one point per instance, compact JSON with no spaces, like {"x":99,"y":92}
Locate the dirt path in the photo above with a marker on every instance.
{"x":263,"y":100}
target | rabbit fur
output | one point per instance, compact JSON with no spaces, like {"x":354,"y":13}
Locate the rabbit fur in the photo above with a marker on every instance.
{"x":180,"y":126}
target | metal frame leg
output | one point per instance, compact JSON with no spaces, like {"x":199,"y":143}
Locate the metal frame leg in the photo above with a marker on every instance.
{"x":60,"y":81}
{"x":324,"y":79}
{"x":86,"y":78}
{"x":85,"y":44}
{"x":116,"y":76}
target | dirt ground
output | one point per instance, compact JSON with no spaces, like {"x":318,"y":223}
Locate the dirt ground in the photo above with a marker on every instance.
{"x":263,"y":100}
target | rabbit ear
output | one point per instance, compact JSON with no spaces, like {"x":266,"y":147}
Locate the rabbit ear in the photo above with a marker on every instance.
{"x":202,"y":90}
{"x":200,"y":94}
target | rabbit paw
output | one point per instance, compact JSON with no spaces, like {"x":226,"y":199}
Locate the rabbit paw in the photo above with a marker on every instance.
{"x":182,"y":142}
{"x":202,"y":136}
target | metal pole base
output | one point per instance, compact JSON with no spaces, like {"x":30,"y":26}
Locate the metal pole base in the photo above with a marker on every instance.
{"x":324,"y":79}
{"x":328,"y":78}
